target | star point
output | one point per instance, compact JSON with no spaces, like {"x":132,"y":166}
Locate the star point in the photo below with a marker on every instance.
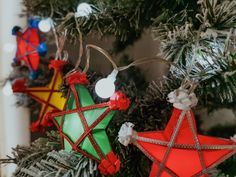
{"x":49,"y":97}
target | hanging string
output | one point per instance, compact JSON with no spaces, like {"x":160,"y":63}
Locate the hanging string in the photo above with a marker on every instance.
{"x":145,"y":60}
{"x":109,"y":57}
{"x":81,"y":49}
{"x":60,"y":41}
{"x":80,"y":45}
{"x":102,"y":51}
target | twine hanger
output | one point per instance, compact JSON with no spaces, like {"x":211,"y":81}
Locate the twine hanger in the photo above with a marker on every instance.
{"x":59,"y":40}
{"x":108,"y":57}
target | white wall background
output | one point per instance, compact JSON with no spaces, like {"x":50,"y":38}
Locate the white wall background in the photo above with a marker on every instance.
{"x":14,"y":122}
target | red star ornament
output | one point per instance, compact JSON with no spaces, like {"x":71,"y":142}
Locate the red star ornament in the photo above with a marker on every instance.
{"x":49,"y":96}
{"x":179,"y":151}
{"x":82,"y":123}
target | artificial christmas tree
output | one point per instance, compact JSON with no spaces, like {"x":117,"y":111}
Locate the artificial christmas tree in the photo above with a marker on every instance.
{"x":198,"y":43}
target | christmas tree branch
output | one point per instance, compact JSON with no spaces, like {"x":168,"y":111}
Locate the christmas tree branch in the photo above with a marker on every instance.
{"x":126,"y":20}
{"x":206,"y":47}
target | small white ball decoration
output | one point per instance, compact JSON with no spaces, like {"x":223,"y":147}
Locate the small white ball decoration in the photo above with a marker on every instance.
{"x":105,"y":87}
{"x":83,"y":10}
{"x":45,"y":25}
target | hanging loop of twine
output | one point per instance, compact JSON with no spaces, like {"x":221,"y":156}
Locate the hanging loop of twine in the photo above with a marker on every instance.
{"x":59,"y":40}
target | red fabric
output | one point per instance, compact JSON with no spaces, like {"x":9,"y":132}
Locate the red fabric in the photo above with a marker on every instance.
{"x":110,"y":164}
{"x":27,"y":43}
{"x":36,"y":127}
{"x":190,"y":164}
{"x":185,"y":130}
{"x":57,"y":64}
{"x":77,"y":78}
{"x":154,"y":172}
{"x":48,"y":119}
{"x":119,"y":101}
{"x":19,"y":85}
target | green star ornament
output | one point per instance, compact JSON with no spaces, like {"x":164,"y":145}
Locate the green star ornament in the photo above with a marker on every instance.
{"x":82,"y":123}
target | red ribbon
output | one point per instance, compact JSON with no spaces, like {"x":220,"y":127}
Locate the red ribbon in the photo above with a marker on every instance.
{"x":119,"y":101}
{"x":57,"y":64}
{"x":19,"y":85}
{"x":36,"y":127}
{"x":47,"y":120}
{"x":110,"y":164}
{"x":77,"y":78}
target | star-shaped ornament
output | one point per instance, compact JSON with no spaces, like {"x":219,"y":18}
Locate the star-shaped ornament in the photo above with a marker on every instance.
{"x":179,"y":151}
{"x":82,"y":123}
{"x":49,"y":96}
{"x":29,"y":47}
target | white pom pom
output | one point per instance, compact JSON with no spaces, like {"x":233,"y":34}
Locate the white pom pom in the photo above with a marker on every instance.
{"x":181,"y":99}
{"x":126,"y":133}
{"x":233,"y":138}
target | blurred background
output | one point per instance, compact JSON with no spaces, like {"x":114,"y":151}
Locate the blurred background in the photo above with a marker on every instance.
{"x":15,"y":121}
{"x":13,"y":131}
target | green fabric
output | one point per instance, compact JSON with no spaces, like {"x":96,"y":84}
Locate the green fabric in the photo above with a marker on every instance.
{"x":73,"y":126}
{"x":71,"y":122}
{"x":58,"y":119}
{"x":87,"y":145}
{"x":67,"y":146}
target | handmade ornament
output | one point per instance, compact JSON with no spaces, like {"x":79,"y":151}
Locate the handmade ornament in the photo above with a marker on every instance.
{"x":49,"y":96}
{"x":82,"y":123}
{"x":29,"y":47}
{"x":178,"y":150}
